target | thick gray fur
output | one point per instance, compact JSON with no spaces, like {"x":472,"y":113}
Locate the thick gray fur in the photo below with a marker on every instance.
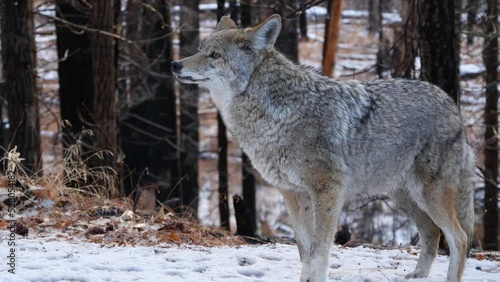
{"x":323,"y":142}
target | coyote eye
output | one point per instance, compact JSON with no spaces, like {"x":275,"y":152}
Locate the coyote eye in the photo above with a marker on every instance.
{"x":215,"y":55}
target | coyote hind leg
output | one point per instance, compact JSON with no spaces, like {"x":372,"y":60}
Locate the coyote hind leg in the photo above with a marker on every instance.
{"x":428,"y":233}
{"x":441,"y":204}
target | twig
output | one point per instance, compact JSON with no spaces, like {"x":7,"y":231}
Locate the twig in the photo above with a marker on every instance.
{"x":304,"y":7}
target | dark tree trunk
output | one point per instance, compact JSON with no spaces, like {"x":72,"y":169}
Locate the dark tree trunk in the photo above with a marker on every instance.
{"x":439,"y":45}
{"x":374,"y":14}
{"x":249,"y":187}
{"x":76,"y":84}
{"x":19,"y":61}
{"x":220,"y":8}
{"x":245,"y":225}
{"x":234,"y":10}
{"x":222,"y":164}
{"x":104,"y":73}
{"x":303,"y":22}
{"x":223,"y":174}
{"x":189,"y":41}
{"x":246,"y":13}
{"x":472,"y":8}
{"x":118,"y":30}
{"x":330,"y":47}
{"x":490,"y":59}
{"x":287,"y":42}
{"x":150,"y":127}
{"x":248,"y":179}
{"x":383,"y":48}
{"x":405,"y":51}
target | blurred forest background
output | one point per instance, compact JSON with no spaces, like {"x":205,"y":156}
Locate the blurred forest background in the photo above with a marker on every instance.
{"x":87,"y":98}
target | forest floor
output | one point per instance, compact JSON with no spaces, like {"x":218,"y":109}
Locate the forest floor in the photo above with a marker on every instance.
{"x":74,"y":238}
{"x":58,"y":259}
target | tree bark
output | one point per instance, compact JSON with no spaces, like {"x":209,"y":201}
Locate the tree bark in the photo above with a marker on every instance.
{"x":248,"y":178}
{"x":222,"y":162}
{"x":220,"y":8}
{"x":303,"y":22}
{"x":249,"y":191}
{"x":234,"y":10}
{"x":383,"y":58}
{"x":405,"y":51}
{"x":19,"y":62}
{"x":439,"y":45}
{"x":490,"y":60}
{"x":330,"y":47}
{"x":189,"y":41}
{"x":374,"y":15}
{"x":246,"y":13}
{"x":150,"y":126}
{"x":287,"y":41}
{"x":76,"y":84}
{"x":472,"y":8}
{"x":104,"y":74}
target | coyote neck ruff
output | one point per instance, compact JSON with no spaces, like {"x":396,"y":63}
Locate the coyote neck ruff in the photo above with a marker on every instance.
{"x":323,"y":142}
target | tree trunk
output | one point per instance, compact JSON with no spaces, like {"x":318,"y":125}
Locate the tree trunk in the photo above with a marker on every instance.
{"x":405,"y":51}
{"x":150,"y":126}
{"x":247,"y":176}
{"x":490,"y":60}
{"x":249,"y":192}
{"x":189,"y":41}
{"x":19,"y":61}
{"x":287,"y":41}
{"x":303,"y":22}
{"x":222,"y":164}
{"x":330,"y":47}
{"x":246,"y":13}
{"x":472,"y":7}
{"x":374,"y":14}
{"x":234,"y":10}
{"x":104,"y":74}
{"x":439,"y":45}
{"x":383,"y":58}
{"x":220,"y":8}
{"x":223,"y":174}
{"x":76,"y":85}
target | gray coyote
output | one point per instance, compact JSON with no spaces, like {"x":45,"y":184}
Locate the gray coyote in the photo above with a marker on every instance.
{"x":323,"y":142}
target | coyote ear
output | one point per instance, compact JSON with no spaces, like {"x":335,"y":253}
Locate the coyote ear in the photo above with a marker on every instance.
{"x":226,"y":23}
{"x":265,"y":34}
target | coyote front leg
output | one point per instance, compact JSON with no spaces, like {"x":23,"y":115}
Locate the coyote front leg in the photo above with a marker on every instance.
{"x":314,"y":219}
{"x":301,"y":216}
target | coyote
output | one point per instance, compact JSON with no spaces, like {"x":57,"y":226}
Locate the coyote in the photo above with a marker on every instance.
{"x":324,"y":142}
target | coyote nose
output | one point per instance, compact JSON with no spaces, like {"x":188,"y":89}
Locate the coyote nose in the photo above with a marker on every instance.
{"x":176,"y":66}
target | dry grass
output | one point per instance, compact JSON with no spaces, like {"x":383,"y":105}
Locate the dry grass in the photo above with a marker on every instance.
{"x":75,"y":204}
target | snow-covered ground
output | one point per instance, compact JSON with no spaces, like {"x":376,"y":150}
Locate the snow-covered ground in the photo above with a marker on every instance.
{"x":42,"y":260}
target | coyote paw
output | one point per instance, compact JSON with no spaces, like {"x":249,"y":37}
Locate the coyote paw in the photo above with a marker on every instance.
{"x":416,"y":274}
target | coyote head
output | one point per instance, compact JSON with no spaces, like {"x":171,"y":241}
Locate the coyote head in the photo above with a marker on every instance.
{"x":227,"y":58}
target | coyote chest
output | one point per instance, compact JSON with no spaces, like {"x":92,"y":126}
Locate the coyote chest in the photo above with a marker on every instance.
{"x":285,"y":150}
{"x":268,"y":151}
